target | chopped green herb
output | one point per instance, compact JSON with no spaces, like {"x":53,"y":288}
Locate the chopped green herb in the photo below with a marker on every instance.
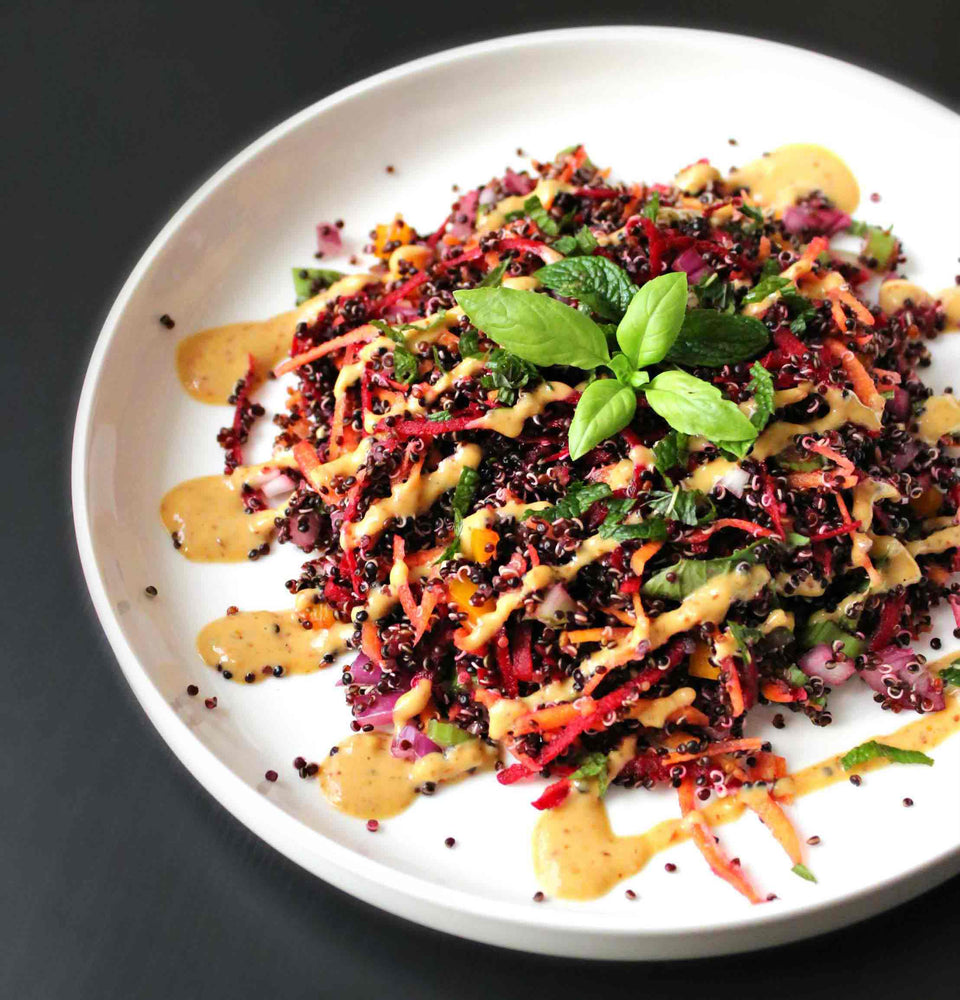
{"x":689,"y":574}
{"x":872,"y":749}
{"x":767,"y":286}
{"x":594,"y":765}
{"x":829,"y":632}
{"x":951,"y":674}
{"x":652,"y":207}
{"x":680,"y":505}
{"x":492,"y":279}
{"x":446,"y":733}
{"x":440,"y":415}
{"x":534,"y":208}
{"x":670,"y":452}
{"x":804,"y":872}
{"x":761,"y":385}
{"x":508,"y":374}
{"x":463,"y":494}
{"x":579,"y":498}
{"x":470,"y":344}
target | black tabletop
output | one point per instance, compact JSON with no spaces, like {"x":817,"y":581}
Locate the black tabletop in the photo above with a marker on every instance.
{"x":119,"y":875}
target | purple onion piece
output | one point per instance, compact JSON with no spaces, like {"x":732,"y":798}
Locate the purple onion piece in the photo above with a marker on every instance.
{"x":804,"y":218}
{"x":904,"y":456}
{"x":694,"y":265}
{"x":305,"y":537}
{"x":898,"y":406}
{"x":464,"y":216}
{"x":364,"y":671}
{"x":328,"y":238}
{"x":820,"y":662}
{"x":411,"y":744}
{"x":380,"y":713}
{"x":917,"y":689}
{"x":514,"y":183}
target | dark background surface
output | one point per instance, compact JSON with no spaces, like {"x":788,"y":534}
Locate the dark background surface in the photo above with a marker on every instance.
{"x":119,"y":875}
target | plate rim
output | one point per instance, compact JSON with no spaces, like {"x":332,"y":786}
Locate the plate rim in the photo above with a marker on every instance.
{"x":380,"y":884}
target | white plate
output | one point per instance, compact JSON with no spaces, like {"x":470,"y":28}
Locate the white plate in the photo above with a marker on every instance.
{"x":646,"y":101}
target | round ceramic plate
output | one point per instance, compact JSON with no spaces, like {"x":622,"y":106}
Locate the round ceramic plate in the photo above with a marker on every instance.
{"x":645,"y":101}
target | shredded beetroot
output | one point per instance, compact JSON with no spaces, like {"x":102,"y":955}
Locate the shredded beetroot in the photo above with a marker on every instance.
{"x":554,"y":795}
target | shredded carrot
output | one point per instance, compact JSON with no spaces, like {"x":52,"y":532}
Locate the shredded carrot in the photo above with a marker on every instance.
{"x":545,"y":719}
{"x":713,"y":749}
{"x":573,"y":163}
{"x":483,"y":544}
{"x":862,"y":383}
{"x":841,"y":461}
{"x":643,"y":555}
{"x":690,"y":716}
{"x":757,"y":530}
{"x":781,"y":693}
{"x":705,"y":841}
{"x":604,"y":634}
{"x":359,"y":336}
{"x":856,"y":306}
{"x":336,"y":426}
{"x":763,"y":251}
{"x":775,"y":820}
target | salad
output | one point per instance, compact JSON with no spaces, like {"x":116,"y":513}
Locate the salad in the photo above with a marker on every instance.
{"x":582,"y":478}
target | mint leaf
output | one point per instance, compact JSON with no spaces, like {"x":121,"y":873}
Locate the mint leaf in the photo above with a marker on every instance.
{"x":680,"y":505}
{"x":463,"y":494}
{"x":469,"y":345}
{"x":534,"y":208}
{"x":565,"y":245}
{"x":690,"y":574}
{"x":670,"y":452}
{"x":594,"y":765}
{"x":804,"y":872}
{"x":440,"y":415}
{"x":652,"y":528}
{"x":714,"y":339}
{"x":535,"y":327}
{"x":872,"y":749}
{"x":712,"y":293}
{"x":508,"y":374}
{"x":653,"y":319}
{"x":761,"y":385}
{"x":586,"y":241}
{"x":605,"y":407}
{"x":310,"y":281}
{"x":579,"y":498}
{"x":598,"y":282}
{"x":692,"y":406}
{"x":405,"y":364}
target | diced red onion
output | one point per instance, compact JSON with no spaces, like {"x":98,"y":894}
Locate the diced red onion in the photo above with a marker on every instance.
{"x":306,"y":537}
{"x":380,"y":713}
{"x":514,"y":183}
{"x":281,"y":483}
{"x":918,"y":689}
{"x":418,"y":744}
{"x":820,"y":662}
{"x":401,"y":312}
{"x":556,"y":601}
{"x":804,"y":218}
{"x":691,"y":262}
{"x":898,"y":406}
{"x":488,"y":196}
{"x":905,"y":454}
{"x":465,"y":216}
{"x":735,"y":481}
{"x":364,"y":671}
{"x":328,"y":238}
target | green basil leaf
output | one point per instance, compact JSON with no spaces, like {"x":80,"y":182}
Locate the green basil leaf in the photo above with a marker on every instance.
{"x":605,"y":407}
{"x":492,"y":279}
{"x":535,"y":327}
{"x":761,"y":385}
{"x":714,"y":339}
{"x":621,"y":367}
{"x":829,"y":632}
{"x":872,"y":749}
{"x":653,"y":319}
{"x":601,"y":284}
{"x":692,"y":406}
{"x":310,"y":281}
{"x":534,"y":208}
{"x":670,"y":451}
{"x":689,"y":575}
{"x":579,"y":498}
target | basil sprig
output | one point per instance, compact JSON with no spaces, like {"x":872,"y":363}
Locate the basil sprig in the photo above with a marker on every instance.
{"x":544,"y":331}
